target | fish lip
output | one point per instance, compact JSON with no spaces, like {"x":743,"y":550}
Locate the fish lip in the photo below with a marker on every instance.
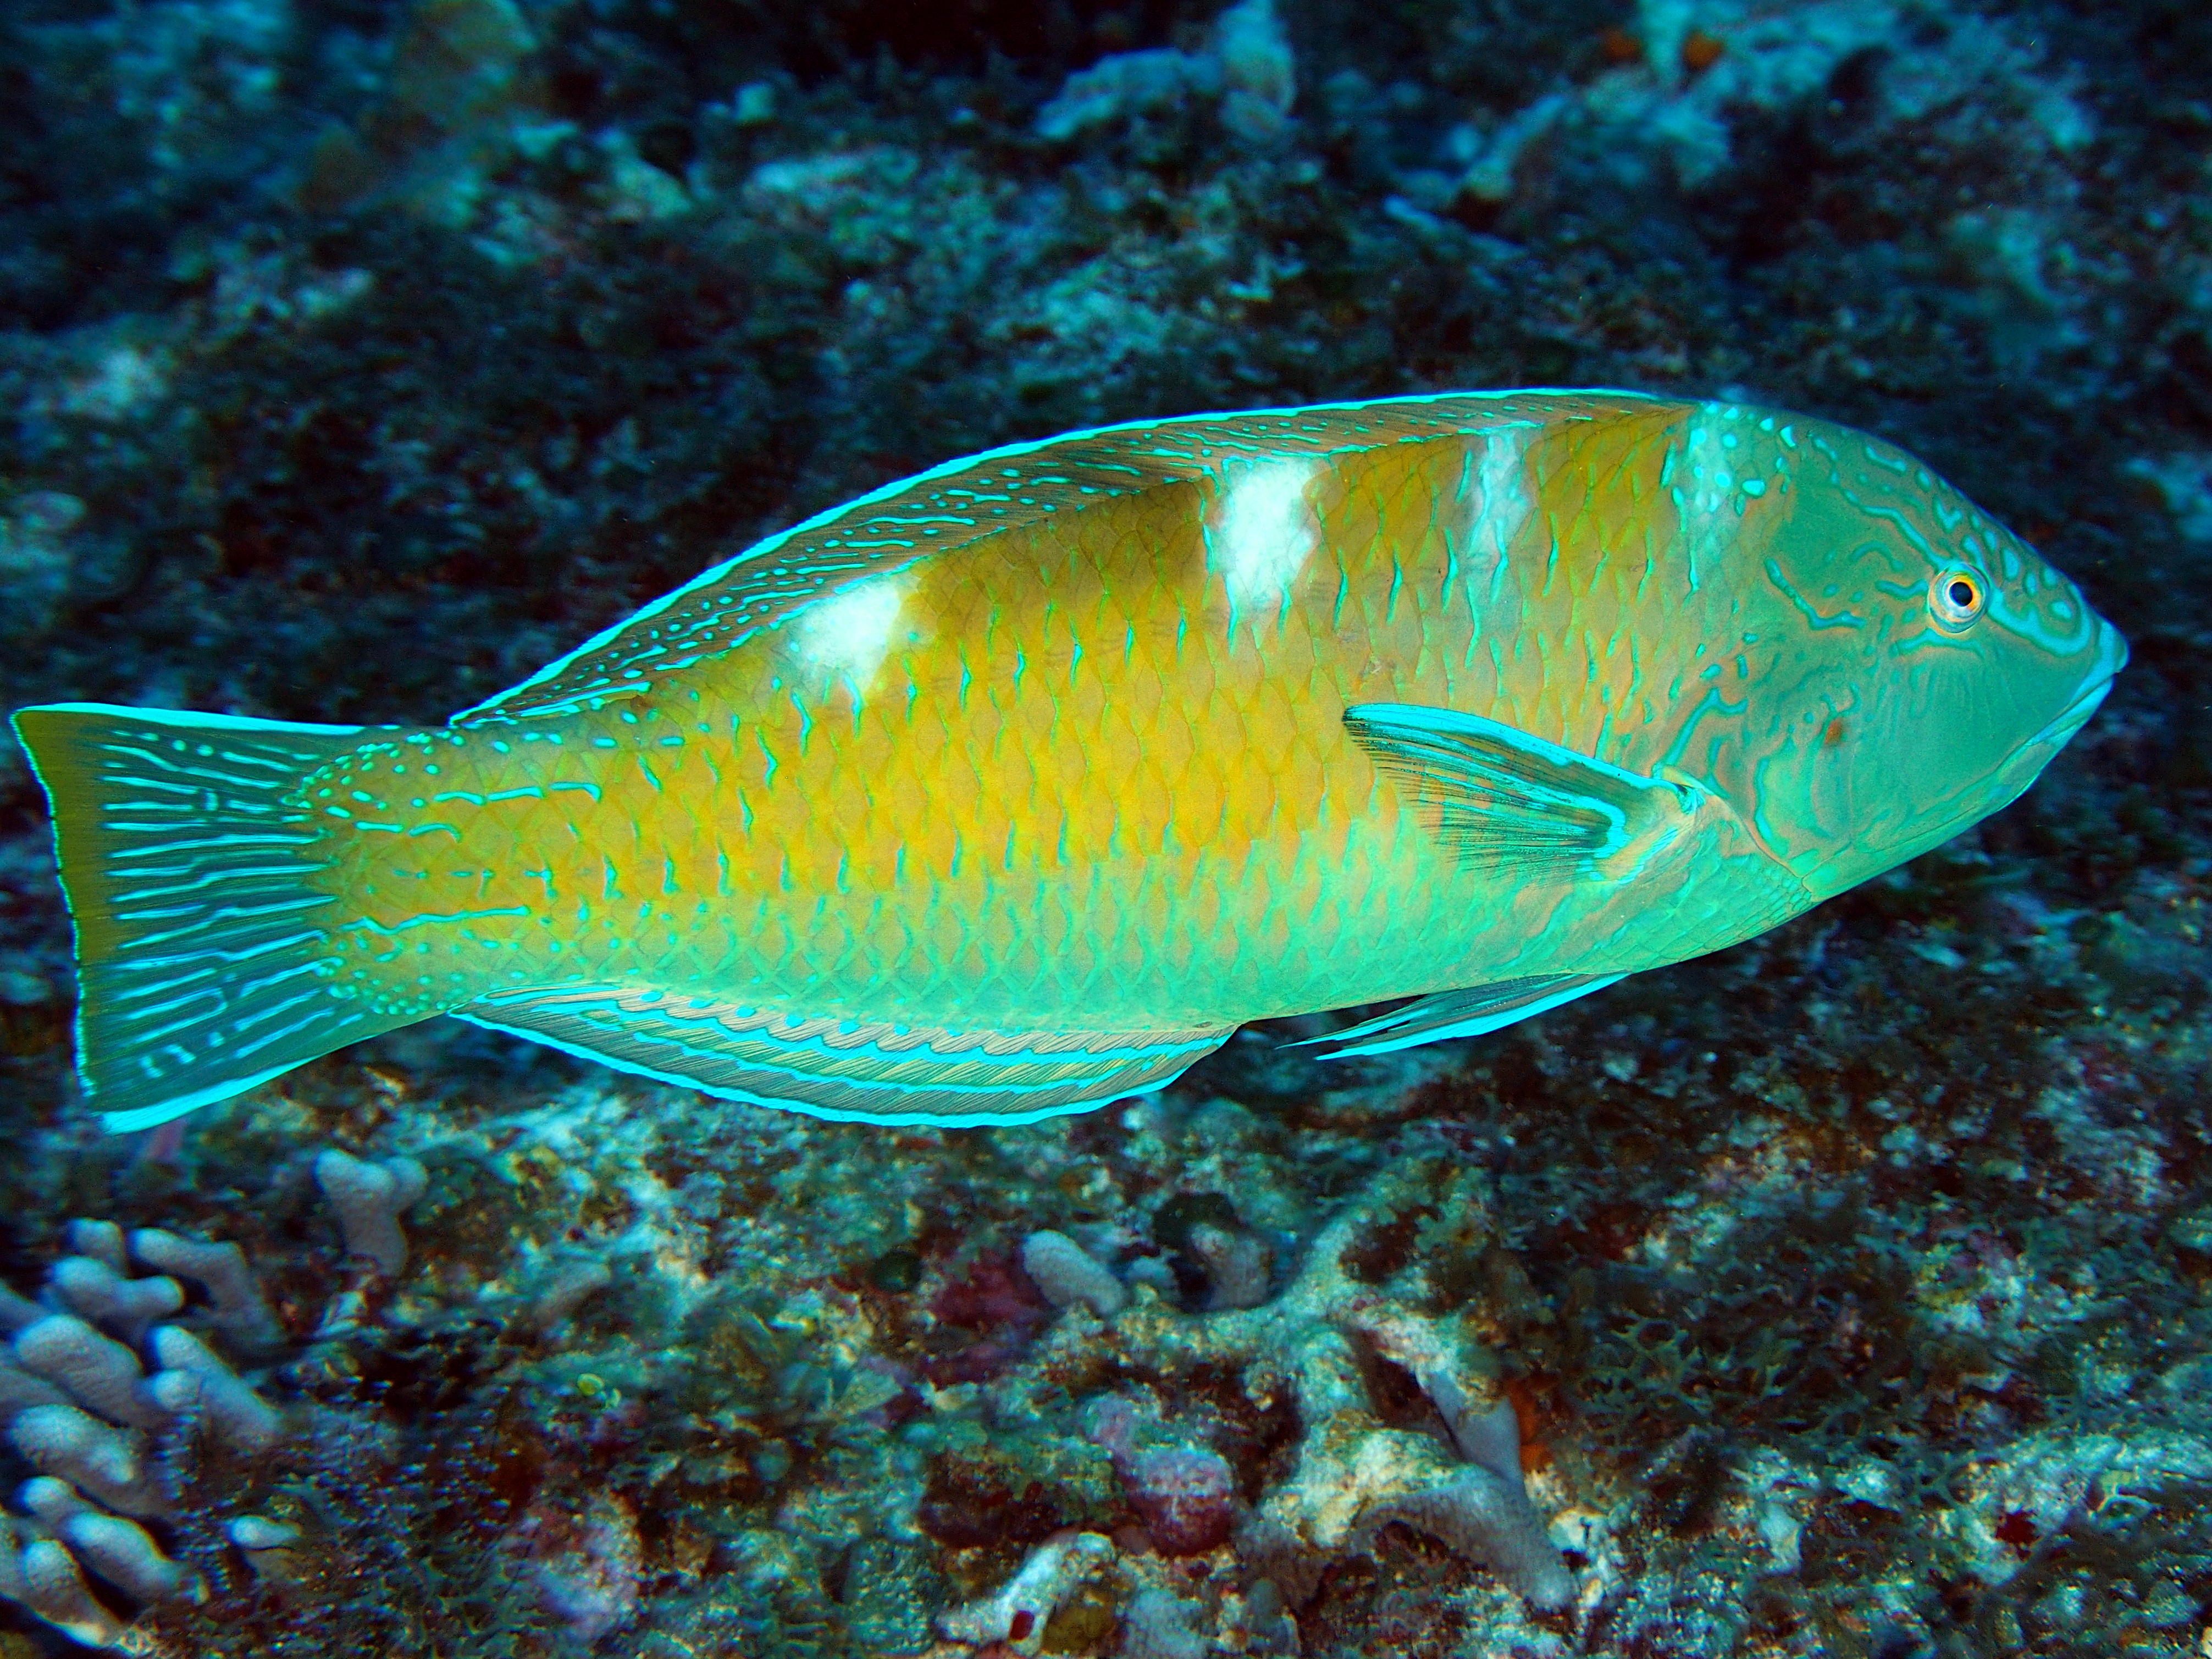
{"x":2031,"y":758}
{"x":2112,"y":657}
{"x":2112,"y":651}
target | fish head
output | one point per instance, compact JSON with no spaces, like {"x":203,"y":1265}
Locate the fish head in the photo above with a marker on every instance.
{"x":1930,"y":664}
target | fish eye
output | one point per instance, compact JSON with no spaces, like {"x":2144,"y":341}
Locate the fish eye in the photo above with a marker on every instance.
{"x":1955,"y":598}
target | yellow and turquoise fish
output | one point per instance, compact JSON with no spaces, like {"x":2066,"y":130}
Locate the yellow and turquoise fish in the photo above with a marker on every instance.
{"x":1015,"y":787}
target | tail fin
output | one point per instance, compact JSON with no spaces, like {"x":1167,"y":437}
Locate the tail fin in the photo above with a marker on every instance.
{"x":203,"y":945}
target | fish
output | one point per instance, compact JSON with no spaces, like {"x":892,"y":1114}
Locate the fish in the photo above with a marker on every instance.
{"x":1015,"y":787}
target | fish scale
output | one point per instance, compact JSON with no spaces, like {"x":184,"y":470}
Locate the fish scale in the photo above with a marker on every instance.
{"x":1016,"y":787}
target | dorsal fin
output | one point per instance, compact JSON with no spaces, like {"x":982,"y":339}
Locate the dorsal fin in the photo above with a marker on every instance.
{"x":965,"y":500}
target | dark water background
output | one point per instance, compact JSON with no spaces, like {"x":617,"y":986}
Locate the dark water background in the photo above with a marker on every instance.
{"x":1849,"y":1288}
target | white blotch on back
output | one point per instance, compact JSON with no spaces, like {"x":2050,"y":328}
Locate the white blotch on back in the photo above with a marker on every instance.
{"x":1262,"y":532}
{"x":1498,"y":506}
{"x":1714,"y":480}
{"x":846,"y":635}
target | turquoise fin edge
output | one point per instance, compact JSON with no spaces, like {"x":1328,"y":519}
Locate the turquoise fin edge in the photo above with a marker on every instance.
{"x":807,"y":1109}
{"x":1475,"y":1025}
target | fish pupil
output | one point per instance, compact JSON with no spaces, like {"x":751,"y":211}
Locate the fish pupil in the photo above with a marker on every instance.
{"x":1962,"y":593}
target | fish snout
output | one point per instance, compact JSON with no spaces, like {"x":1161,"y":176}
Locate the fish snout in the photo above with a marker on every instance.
{"x":2032,"y":756}
{"x":2112,"y":657}
{"x":2111,"y":651}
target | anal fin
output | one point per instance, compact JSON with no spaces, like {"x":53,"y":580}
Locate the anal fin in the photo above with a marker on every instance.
{"x":1470,"y":1013}
{"x":869,"y":1071}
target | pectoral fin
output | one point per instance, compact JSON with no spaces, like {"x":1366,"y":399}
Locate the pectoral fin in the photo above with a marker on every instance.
{"x":1470,"y":1013}
{"x":1502,"y":801}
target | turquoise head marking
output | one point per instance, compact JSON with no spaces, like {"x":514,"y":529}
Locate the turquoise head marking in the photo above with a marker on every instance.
{"x":1935,"y":663}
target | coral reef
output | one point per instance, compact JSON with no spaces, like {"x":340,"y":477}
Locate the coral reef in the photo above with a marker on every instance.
{"x":1842,"y":1295}
{"x":1247,"y":63}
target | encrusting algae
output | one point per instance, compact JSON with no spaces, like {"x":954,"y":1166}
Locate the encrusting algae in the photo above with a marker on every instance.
{"x":1015,"y":787}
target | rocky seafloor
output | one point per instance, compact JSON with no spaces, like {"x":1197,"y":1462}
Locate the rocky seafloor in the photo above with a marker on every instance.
{"x":1846,"y":1293}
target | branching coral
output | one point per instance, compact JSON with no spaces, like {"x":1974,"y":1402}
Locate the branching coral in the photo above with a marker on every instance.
{"x":175,"y":1500}
{"x":1015,"y":1614}
{"x":370,"y":1198}
{"x":1317,"y":1342}
{"x":1066,"y":1273}
{"x":80,"y":1405}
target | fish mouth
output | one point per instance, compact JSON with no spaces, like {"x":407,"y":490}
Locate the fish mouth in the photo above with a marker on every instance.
{"x":2112,"y":657}
{"x":2033,"y":755}
{"x":2073,"y":717}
